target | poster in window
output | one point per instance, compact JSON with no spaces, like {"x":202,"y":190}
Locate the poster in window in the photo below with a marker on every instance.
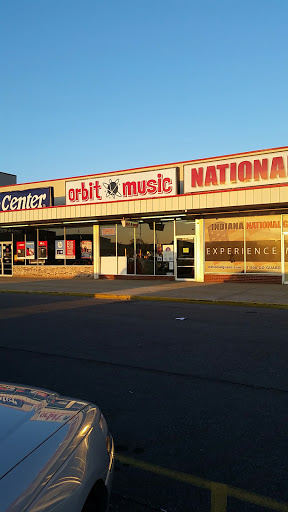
{"x":86,"y":249}
{"x":42,"y":250}
{"x":224,"y":245}
{"x":168,"y":252}
{"x":59,"y":250}
{"x":20,"y":250}
{"x":30,"y":250}
{"x":263,"y":244}
{"x":70,"y":249}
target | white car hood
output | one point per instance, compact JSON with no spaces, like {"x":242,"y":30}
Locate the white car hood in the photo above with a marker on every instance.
{"x":28,"y":417}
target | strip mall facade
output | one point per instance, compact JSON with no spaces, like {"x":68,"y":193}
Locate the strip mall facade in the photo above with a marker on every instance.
{"x":215,"y":219}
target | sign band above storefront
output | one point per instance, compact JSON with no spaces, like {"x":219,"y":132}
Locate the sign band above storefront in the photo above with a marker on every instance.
{"x":250,"y":171}
{"x":122,"y":187}
{"x":33,"y":198}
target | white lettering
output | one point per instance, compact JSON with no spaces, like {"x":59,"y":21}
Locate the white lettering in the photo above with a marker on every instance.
{"x":21,"y":203}
{"x":3,"y":203}
{"x":42,"y":197}
{"x":34,"y":200}
{"x":13,"y":203}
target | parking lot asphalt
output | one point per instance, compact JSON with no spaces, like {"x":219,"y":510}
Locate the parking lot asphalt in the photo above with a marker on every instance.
{"x":197,"y":406}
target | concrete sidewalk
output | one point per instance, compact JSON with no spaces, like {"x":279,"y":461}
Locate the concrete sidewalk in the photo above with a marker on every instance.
{"x":234,"y":293}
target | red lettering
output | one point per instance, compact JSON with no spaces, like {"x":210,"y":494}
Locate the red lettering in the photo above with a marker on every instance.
{"x":97,"y":187}
{"x":129,"y":188}
{"x":77,"y":192}
{"x":91,"y":191}
{"x":233,"y":169}
{"x":159,"y":176}
{"x":197,"y":177}
{"x":167,"y":189}
{"x":222,"y":168}
{"x":71,"y":195}
{"x":245,"y":171}
{"x":277,"y":168}
{"x":141,"y":186}
{"x":211,"y":176}
{"x":152,"y":186}
{"x":261,"y":169}
{"x":84,"y":192}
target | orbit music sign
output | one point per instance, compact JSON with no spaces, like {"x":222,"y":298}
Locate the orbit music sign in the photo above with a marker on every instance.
{"x":122,"y":187}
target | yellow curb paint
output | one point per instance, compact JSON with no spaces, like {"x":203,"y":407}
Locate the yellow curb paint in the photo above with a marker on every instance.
{"x":219,"y":491}
{"x":111,"y":296}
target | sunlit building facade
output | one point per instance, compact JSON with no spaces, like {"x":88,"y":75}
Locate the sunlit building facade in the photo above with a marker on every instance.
{"x":215,"y":219}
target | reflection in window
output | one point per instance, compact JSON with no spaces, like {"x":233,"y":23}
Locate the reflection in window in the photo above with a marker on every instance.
{"x":108,"y":240}
{"x":185,"y":227}
{"x":125,"y":246}
{"x":19,"y":246}
{"x":164,"y":236}
{"x":51,"y":247}
{"x":79,"y":245}
{"x":145,"y":249}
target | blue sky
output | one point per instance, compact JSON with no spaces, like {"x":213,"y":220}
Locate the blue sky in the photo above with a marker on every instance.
{"x":89,"y":86}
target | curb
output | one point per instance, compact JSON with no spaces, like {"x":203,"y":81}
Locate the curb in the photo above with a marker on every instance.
{"x":135,"y":298}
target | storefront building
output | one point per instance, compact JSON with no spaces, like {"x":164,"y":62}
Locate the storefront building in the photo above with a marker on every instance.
{"x":215,"y":219}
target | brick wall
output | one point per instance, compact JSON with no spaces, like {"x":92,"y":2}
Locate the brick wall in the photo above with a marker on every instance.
{"x":53,"y":271}
{"x":242,"y":278}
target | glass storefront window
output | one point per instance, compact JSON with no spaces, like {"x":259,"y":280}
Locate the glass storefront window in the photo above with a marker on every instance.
{"x":79,"y":245}
{"x":164,"y":239}
{"x":247,"y":245}
{"x":224,"y":245}
{"x":125,"y":247}
{"x":51,"y":246}
{"x":145,"y":248}
{"x":31,"y":241}
{"x":19,"y":246}
{"x":263,"y":244}
{"x":5,"y":235}
{"x":108,"y":240}
{"x":185,"y":227}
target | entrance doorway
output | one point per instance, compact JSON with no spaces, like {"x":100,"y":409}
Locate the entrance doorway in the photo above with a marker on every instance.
{"x":185,"y":259}
{"x":6,"y":259}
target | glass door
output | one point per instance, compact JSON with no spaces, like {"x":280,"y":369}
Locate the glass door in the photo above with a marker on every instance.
{"x":185,"y":259}
{"x":6,"y":259}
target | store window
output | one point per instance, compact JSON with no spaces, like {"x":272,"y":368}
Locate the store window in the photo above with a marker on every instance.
{"x":125,"y":250}
{"x":51,"y":245}
{"x":19,"y":246}
{"x":79,"y":245}
{"x":185,"y":227}
{"x":164,"y":248}
{"x":238,"y":244}
{"x":224,"y":245}
{"x":5,"y":235}
{"x":31,"y":246}
{"x":108,"y":240}
{"x":263,"y":244}
{"x":145,"y":248}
